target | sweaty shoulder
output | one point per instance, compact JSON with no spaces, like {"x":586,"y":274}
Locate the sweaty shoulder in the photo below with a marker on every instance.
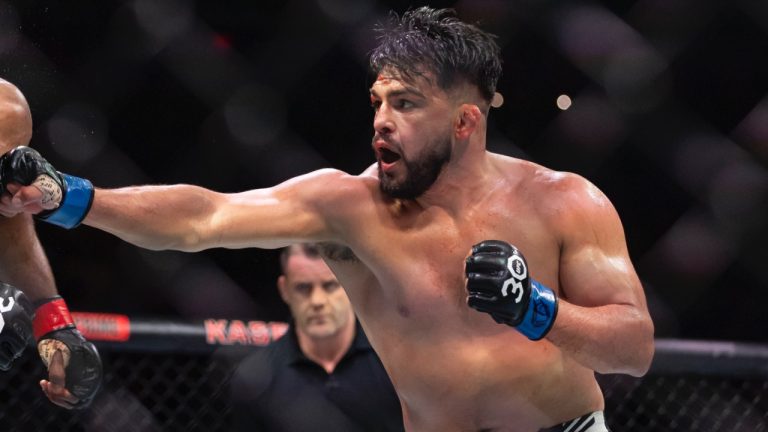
{"x":564,"y":200}
{"x":580,"y":212}
{"x":341,"y":200}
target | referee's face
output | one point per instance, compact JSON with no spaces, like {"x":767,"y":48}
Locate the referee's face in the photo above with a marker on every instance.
{"x":317,"y":301}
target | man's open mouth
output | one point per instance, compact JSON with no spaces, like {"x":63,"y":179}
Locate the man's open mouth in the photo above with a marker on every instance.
{"x":388,"y":156}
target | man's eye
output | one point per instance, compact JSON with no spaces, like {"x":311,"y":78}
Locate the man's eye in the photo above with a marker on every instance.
{"x":376,"y":105}
{"x":404,"y":104}
{"x":303,"y":288}
{"x":331,"y":286}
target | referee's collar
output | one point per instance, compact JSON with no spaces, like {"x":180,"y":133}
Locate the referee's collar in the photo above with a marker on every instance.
{"x":295,"y":355}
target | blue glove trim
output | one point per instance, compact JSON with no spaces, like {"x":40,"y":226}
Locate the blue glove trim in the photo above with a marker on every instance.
{"x":78,"y":196}
{"x":541,"y":313}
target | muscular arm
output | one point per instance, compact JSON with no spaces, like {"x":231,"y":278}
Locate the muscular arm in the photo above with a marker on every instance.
{"x":22,"y":260}
{"x":603,"y":319}
{"x":192,"y":218}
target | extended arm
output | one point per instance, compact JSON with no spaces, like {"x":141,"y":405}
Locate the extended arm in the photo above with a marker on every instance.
{"x":181,"y":217}
{"x":192,"y":218}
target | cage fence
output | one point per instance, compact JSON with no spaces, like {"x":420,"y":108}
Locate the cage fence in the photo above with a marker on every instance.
{"x":170,"y":376}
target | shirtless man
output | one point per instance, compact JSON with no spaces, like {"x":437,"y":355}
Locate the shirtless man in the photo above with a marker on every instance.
{"x":400,"y":238}
{"x":24,"y":269}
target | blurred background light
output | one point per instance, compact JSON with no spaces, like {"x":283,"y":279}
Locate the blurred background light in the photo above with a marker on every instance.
{"x":255,"y":115}
{"x":163,"y":21}
{"x":78,"y":132}
{"x":346,"y":11}
{"x":9,"y":27}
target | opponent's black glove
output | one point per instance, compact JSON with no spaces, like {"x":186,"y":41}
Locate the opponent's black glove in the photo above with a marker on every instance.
{"x":498,"y":283}
{"x":73,"y":195}
{"x":54,"y":330}
{"x":15,"y":324}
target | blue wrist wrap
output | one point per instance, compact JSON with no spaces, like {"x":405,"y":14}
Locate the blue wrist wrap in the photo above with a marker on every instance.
{"x":541,"y":313}
{"x":75,"y":205}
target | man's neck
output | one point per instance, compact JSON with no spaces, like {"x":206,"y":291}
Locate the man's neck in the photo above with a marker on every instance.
{"x":327,"y":352}
{"x":462,"y":181}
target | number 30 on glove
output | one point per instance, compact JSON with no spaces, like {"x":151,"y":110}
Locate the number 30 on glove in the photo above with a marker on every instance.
{"x":498,"y":283}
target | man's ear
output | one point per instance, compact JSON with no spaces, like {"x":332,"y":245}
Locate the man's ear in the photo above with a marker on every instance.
{"x":282,"y":287}
{"x":467,"y":121}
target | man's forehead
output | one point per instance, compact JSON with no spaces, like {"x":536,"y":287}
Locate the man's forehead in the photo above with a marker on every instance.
{"x":394,"y":81}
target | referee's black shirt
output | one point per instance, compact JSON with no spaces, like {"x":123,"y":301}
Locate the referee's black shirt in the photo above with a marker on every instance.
{"x":278,"y":389}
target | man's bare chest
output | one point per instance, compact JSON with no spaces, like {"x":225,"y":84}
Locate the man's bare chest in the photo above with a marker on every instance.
{"x":424,"y":262}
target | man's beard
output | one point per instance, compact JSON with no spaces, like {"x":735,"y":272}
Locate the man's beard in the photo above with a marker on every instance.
{"x":421,"y":173}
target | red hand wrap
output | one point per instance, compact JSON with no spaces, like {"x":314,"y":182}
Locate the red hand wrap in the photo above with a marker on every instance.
{"x":51,"y":316}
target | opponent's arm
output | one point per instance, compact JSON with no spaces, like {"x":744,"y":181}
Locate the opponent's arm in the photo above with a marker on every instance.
{"x":45,"y":316}
{"x":22,"y":259}
{"x":79,"y":376}
{"x":181,"y":217}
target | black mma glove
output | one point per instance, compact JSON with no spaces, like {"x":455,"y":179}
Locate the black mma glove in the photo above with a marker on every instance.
{"x":15,"y":324}
{"x":54,"y":330}
{"x":498,"y":284}
{"x":73,"y":195}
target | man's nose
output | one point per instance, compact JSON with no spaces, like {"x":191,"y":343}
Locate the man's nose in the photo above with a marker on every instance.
{"x":318,"y":297}
{"x":382,"y":121}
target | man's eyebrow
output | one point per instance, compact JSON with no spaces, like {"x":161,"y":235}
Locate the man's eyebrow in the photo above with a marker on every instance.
{"x":400,"y":92}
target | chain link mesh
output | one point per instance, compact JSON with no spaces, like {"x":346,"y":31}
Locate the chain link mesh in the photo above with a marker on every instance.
{"x":664,"y":402}
{"x":141,"y":392}
{"x":189,"y":392}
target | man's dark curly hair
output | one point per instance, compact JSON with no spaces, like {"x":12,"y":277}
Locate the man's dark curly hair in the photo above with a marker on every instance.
{"x":427,"y":40}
